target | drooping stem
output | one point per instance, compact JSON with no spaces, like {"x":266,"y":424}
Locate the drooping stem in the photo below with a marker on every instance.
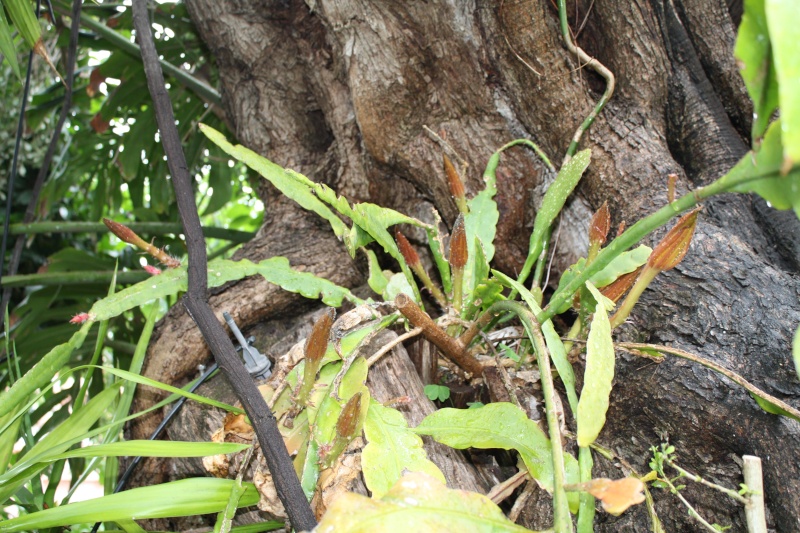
{"x":643,"y":228}
{"x":595,"y":65}
{"x":562,"y":520}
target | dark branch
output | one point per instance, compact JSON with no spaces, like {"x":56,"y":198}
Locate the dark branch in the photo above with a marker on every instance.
{"x":195,"y":300}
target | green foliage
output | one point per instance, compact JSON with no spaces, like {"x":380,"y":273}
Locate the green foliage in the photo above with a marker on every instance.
{"x":599,"y":374}
{"x":392,"y":448}
{"x":417,"y":502}
{"x":186,"y":497}
{"x":437,"y":392}
{"x":497,"y":425}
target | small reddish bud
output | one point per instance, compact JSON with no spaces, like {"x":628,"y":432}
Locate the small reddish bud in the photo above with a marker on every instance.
{"x":673,"y":247}
{"x":123,"y":232}
{"x":347,"y":423}
{"x":615,"y":290}
{"x":621,"y":228}
{"x":458,"y":244}
{"x":456,"y":185}
{"x":317,"y":343}
{"x":409,"y":254}
{"x":672,"y":179}
{"x":80,"y":318}
{"x":150,"y":269}
{"x":601,"y":223}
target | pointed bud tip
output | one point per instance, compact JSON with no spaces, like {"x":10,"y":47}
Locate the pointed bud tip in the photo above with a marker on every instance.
{"x":317,"y":342}
{"x":453,"y":179}
{"x":673,"y":247}
{"x":458,"y":244}
{"x":408,"y":251}
{"x":601,"y":224}
{"x":348,"y":420}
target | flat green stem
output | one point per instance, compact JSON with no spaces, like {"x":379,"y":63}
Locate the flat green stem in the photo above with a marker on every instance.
{"x":203,"y":90}
{"x":640,"y":230}
{"x":73,"y":278}
{"x":562,"y":520}
{"x":151,"y":228}
{"x":598,"y":67}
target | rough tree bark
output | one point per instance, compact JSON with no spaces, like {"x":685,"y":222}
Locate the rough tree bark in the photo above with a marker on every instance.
{"x":340,"y":90}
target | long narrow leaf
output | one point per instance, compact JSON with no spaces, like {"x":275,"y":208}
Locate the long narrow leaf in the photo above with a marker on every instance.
{"x":7,"y":46}
{"x":186,"y":497}
{"x":151,"y":448}
{"x":552,"y":203}
{"x":599,"y":374}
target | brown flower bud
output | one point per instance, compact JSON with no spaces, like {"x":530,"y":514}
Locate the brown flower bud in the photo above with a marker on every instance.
{"x":601,"y":223}
{"x":458,"y":244}
{"x":673,"y":247}
{"x":124,"y":233}
{"x":408,"y":251}
{"x":317,"y":343}
{"x":347,"y":423}
{"x":456,"y":185}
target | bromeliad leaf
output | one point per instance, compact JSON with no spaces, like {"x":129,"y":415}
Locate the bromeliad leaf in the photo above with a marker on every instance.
{"x":417,"y":502}
{"x":599,"y":374}
{"x":392,"y":448}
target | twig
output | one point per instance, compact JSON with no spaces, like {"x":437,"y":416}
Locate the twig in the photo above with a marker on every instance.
{"x":597,"y":67}
{"x":698,"y":479}
{"x":692,"y":512}
{"x":754,"y":510}
{"x":523,"y":498}
{"x":390,"y":345}
{"x":733,"y":376}
{"x":278,"y":461}
{"x":452,"y":348}
{"x":503,"y":490}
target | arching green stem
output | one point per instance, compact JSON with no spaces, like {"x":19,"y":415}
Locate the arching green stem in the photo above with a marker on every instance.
{"x":562,"y":520}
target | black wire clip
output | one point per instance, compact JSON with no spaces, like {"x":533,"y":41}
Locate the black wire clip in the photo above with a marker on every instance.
{"x":256,"y":363}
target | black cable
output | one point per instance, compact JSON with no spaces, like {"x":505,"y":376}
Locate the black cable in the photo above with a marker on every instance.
{"x":123,"y":480}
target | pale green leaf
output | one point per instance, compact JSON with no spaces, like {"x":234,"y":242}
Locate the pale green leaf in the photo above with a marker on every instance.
{"x":24,"y":20}
{"x":763,"y":169}
{"x":783,"y":20}
{"x":392,"y":448}
{"x":377,"y":280}
{"x":598,"y":376}
{"x":397,"y":284}
{"x":754,"y":54}
{"x":772,"y":408}
{"x":480,"y":225}
{"x":417,"y":502}
{"x":186,"y":497}
{"x":552,"y":203}
{"x":496,"y":425}
{"x":7,"y":45}
{"x":287,"y":183}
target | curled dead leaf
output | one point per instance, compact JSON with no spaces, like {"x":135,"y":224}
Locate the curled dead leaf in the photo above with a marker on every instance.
{"x":616,"y":495}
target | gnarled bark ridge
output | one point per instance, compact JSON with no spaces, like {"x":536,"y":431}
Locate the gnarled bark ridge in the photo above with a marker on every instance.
{"x":340,"y":90}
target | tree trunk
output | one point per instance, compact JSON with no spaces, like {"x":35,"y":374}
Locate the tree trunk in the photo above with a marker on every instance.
{"x":341,"y":90}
